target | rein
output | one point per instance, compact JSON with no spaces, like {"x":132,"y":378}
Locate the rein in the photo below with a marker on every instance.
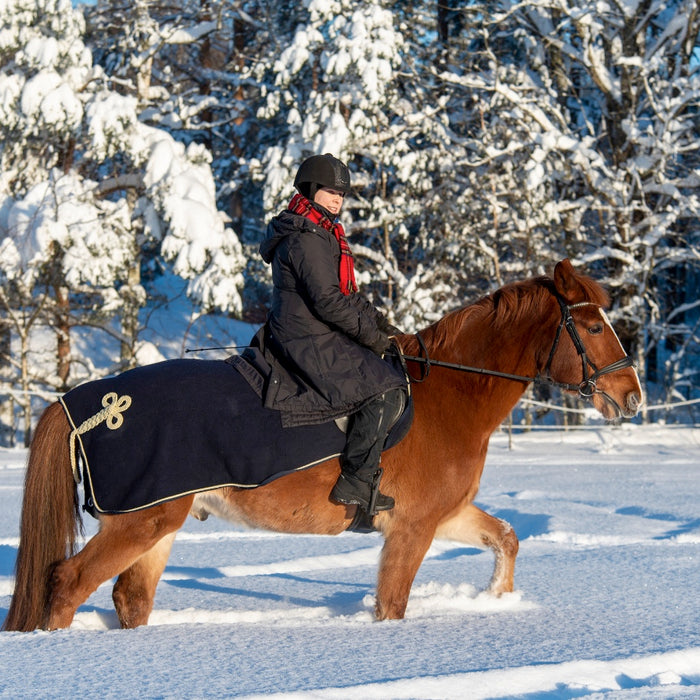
{"x":586,"y":388}
{"x":428,"y":363}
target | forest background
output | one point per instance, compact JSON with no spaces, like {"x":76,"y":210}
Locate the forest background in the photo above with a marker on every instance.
{"x":144,"y":146}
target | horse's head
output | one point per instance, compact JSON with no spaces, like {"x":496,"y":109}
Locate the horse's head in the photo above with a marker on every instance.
{"x":587,"y":355}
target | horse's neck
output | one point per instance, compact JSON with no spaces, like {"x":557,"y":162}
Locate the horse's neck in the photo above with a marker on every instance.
{"x":513,"y":348}
{"x":476,"y":397}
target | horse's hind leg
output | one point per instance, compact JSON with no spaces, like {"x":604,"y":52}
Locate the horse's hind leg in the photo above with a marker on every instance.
{"x":122,"y":540}
{"x":473,"y":526}
{"x":135,"y":588}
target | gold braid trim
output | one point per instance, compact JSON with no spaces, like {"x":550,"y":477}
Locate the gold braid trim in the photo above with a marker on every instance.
{"x":114,"y":406}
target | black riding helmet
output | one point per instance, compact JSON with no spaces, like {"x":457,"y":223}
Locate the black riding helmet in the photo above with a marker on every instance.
{"x":322,"y":171}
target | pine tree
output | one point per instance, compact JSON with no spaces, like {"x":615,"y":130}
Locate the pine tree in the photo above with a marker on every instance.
{"x":190,"y":66}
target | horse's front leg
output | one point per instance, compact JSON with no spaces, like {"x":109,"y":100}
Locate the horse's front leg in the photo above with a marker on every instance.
{"x":404,"y":549}
{"x":471,"y":525}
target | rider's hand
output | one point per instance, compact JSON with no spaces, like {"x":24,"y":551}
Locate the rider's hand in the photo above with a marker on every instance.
{"x":381,"y":345}
{"x":386,"y":327}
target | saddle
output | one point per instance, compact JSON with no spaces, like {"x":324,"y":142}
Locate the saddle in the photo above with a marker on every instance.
{"x":256,"y":370}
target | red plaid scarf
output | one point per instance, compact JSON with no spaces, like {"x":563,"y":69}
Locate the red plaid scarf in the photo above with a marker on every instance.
{"x":301,"y":205}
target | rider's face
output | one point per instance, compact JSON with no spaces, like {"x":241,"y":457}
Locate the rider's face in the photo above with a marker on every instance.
{"x":330,"y":199}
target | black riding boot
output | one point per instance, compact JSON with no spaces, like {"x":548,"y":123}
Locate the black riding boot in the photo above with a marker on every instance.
{"x":353,"y":489}
{"x":358,"y":483}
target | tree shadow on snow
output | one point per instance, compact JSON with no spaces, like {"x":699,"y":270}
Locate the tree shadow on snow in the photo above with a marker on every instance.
{"x":683,"y":528}
{"x":8,"y":554}
{"x":456,"y":553}
{"x":192,"y":572}
{"x":243,"y":592}
{"x":345,"y":602}
{"x":525,"y":524}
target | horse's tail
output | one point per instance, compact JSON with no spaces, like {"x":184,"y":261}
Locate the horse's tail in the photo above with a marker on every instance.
{"x":50,"y":522}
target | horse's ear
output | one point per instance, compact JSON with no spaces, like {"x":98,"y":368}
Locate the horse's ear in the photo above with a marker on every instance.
{"x":567,"y":282}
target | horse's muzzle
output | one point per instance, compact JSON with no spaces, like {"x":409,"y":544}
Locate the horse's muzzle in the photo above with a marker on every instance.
{"x":633,"y":402}
{"x":611,"y":409}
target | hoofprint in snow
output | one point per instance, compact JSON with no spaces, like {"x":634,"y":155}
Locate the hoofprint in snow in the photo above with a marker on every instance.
{"x":605,"y":598}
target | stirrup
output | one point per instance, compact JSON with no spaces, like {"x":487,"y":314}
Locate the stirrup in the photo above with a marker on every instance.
{"x":374,"y":494}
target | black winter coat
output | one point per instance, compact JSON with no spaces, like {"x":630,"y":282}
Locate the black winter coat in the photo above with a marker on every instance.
{"x":316,"y":338}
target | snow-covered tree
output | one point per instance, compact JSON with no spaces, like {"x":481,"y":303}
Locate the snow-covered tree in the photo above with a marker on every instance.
{"x":84,"y":186}
{"x":188,"y":65}
{"x":584,"y":144}
{"x":338,"y":87}
{"x":486,"y":141}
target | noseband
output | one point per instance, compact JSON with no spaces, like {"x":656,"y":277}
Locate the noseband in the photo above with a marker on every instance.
{"x":586,"y":388}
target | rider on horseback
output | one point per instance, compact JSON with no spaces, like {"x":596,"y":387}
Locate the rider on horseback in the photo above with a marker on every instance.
{"x":323,"y":339}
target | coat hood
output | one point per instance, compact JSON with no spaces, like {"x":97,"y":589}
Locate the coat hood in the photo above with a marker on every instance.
{"x":280,"y":227}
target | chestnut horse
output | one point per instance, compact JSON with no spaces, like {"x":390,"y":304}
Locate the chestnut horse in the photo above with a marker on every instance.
{"x":545,"y":328}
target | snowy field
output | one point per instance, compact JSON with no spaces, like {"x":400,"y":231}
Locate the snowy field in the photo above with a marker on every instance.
{"x":606,"y":604}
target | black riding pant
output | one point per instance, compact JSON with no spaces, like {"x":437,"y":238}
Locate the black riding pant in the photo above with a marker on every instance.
{"x":367,"y":431}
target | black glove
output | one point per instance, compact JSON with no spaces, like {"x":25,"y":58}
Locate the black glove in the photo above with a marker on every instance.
{"x":386,"y":327}
{"x":381,"y":345}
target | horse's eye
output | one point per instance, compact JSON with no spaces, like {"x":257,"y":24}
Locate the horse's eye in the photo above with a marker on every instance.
{"x":597,"y":329}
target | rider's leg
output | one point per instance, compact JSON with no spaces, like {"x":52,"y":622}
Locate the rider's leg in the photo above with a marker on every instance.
{"x":359,"y":479}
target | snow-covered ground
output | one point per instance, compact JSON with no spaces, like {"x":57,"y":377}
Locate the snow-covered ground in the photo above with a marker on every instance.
{"x":606,"y":604}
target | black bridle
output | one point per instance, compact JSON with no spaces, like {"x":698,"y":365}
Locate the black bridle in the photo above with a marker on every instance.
{"x":586,"y":388}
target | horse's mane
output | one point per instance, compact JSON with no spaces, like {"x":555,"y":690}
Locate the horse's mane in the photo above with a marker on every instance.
{"x":509,"y":305}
